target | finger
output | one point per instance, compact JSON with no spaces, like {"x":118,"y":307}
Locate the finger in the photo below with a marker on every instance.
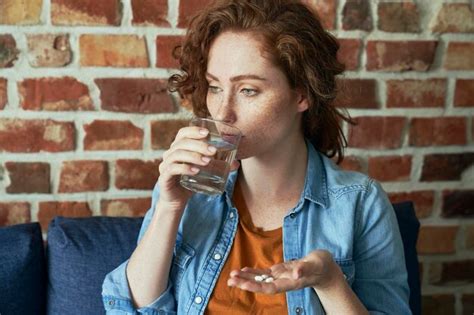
{"x":250,"y":273}
{"x":244,"y":275}
{"x":188,"y":157}
{"x":257,"y":271}
{"x":252,"y":286}
{"x":192,"y":145}
{"x":179,"y":169}
{"x":192,"y":132}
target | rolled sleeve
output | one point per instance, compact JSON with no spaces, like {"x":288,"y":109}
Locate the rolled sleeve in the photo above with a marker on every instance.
{"x":117,"y":298}
{"x":380,"y":272}
{"x":116,"y":294}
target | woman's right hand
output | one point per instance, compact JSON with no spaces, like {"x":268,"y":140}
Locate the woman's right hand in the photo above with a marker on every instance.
{"x":186,"y":154}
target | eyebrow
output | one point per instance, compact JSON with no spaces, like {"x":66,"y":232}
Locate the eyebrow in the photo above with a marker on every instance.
{"x":238,"y":77}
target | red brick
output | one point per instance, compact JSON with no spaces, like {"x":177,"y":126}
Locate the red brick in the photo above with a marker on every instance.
{"x":377,"y":132}
{"x":326,"y":10}
{"x":439,"y":304}
{"x":390,"y":168}
{"x":357,"y":93}
{"x":470,"y":237}
{"x":454,"y":18}
{"x":452,"y":273}
{"x":3,"y":93}
{"x":12,"y":213}
{"x":458,"y":203}
{"x":400,"y":55}
{"x":165,"y":45}
{"x":150,"y":13}
{"x":112,"y":135}
{"x":356,"y":15}
{"x":126,"y":51}
{"x":49,"y":50}
{"x":20,"y":12}
{"x":50,"y":209}
{"x":54,"y":94}
{"x":459,"y":56}
{"x":8,"y":51}
{"x":437,"y":240}
{"x":86,"y":12}
{"x":438,"y":131}
{"x":28,"y":178}
{"x":349,"y":52}
{"x":446,"y":167}
{"x":164,"y":132}
{"x":36,"y":135}
{"x":467,"y":304}
{"x":416,"y":93}
{"x":135,"y":95}
{"x":125,"y":207}
{"x":399,"y":17}
{"x":423,"y":201}
{"x":188,"y":8}
{"x":82,"y":176}
{"x":136,"y":174}
{"x":353,"y":163}
{"x":464,"y":97}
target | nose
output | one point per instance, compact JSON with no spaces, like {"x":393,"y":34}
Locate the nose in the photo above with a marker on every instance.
{"x":226,"y":110}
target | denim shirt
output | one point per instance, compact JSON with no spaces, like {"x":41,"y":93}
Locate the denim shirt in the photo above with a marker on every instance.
{"x":343,"y":212}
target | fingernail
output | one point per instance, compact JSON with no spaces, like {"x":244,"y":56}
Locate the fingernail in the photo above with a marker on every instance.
{"x":194,"y":169}
{"x":206,"y":159}
{"x":203,"y":131}
{"x":212,"y":149}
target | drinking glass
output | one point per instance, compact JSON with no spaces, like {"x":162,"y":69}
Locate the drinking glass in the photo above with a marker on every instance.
{"x":212,"y":178}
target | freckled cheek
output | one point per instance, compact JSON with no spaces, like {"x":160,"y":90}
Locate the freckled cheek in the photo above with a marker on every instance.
{"x":212,"y":103}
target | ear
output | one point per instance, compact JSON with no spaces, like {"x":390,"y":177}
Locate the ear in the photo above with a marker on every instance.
{"x":303,"y":103}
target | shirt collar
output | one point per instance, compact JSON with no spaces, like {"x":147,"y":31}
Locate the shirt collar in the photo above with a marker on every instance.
{"x":315,"y":186}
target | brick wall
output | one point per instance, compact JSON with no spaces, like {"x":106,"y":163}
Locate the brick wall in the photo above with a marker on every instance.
{"x":84,"y":114}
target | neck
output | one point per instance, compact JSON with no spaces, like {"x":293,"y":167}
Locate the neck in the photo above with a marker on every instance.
{"x":278,"y":174}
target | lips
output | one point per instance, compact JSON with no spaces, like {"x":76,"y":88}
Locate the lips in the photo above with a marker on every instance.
{"x":230,"y":137}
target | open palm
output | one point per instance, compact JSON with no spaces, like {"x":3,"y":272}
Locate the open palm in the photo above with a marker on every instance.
{"x":287,"y":276}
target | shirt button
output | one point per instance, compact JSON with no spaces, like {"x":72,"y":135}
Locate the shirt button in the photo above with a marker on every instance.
{"x":292,"y":215}
{"x":299,"y":310}
{"x":111,"y":302}
{"x":231,"y":215}
{"x":198,"y":300}
{"x":217,"y":257}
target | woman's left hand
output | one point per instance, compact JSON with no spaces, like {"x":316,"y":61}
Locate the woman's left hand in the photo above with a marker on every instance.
{"x":317,"y":270}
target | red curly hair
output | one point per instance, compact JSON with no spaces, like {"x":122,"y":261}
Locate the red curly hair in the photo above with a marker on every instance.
{"x":297,"y":43}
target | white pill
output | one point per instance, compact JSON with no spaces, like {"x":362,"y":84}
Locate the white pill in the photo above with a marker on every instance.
{"x":258,"y":278}
{"x":269,"y":279}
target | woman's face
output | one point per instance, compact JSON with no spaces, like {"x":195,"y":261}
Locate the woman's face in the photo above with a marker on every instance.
{"x":247,"y":90}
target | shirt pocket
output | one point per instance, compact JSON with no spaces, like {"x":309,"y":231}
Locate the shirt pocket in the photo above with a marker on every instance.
{"x":348,"y":269}
{"x":181,"y":258}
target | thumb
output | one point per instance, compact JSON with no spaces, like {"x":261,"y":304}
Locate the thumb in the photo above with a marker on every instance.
{"x":298,"y":270}
{"x":234,"y":165}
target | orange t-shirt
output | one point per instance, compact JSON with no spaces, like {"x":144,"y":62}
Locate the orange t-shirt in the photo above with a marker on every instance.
{"x":254,"y":248}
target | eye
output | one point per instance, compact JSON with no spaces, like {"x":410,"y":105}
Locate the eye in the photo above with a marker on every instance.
{"x":249,"y":92}
{"x":214,"y":89}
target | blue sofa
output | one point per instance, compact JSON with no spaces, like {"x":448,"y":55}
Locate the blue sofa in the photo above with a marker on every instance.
{"x":65,"y":276}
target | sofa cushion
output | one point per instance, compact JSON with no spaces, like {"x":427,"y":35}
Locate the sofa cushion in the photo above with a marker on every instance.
{"x":409,"y":227}
{"x":22,"y":270}
{"x":80,"y":252}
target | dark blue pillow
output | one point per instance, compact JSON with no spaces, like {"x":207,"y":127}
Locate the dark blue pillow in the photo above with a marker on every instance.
{"x":80,"y":252}
{"x":409,"y":227}
{"x":22,"y":270}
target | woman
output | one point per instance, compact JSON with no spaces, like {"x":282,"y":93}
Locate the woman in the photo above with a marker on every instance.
{"x":328,"y":238}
